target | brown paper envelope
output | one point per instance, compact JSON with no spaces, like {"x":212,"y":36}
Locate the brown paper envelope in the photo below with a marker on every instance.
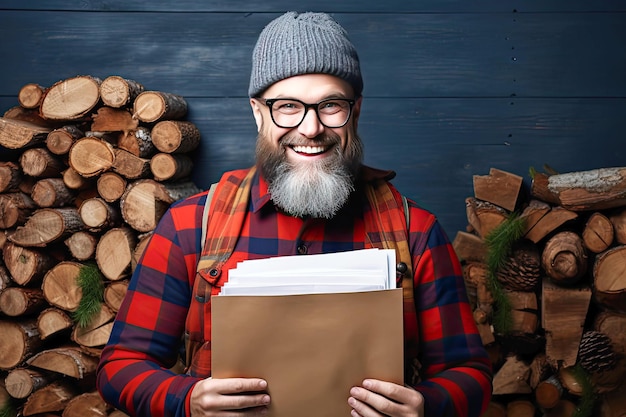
{"x":310,"y":348}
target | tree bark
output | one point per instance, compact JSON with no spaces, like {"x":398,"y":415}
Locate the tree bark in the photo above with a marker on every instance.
{"x":10,"y":177}
{"x":154,"y":106}
{"x":171,"y":167}
{"x":176,"y":136}
{"x":484,"y":216}
{"x":119,"y":92}
{"x":114,"y":252}
{"x":138,"y":142}
{"x":71,"y":99}
{"x":52,"y":397}
{"x":46,"y":226}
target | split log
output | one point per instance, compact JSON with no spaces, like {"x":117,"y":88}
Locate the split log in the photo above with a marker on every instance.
{"x":139,"y":249}
{"x":46,"y":226}
{"x":20,"y":301}
{"x":484,"y":216}
{"x":87,"y":404}
{"x":138,"y":142}
{"x":52,"y":192}
{"x":22,"y":382}
{"x":596,"y":189}
{"x":30,"y":95}
{"x":60,"y":286}
{"x":111,"y":186}
{"x":82,"y":245}
{"x":10,"y":177}
{"x":17,"y":134}
{"x":74,"y":181}
{"x":98,"y":331}
{"x":469,"y":247}
{"x":145,"y":201}
{"x":524,"y":311}
{"x":114,"y":252}
{"x":5,"y":278}
{"x":609,"y":278}
{"x":520,"y":408}
{"x":618,"y":220}
{"x":549,"y":392}
{"x":598,"y":233}
{"x":565,"y":258}
{"x":563,"y":408}
{"x":26,"y":115}
{"x":170,"y":167}
{"x":494,"y":409}
{"x":154,"y":106}
{"x":91,"y":156}
{"x":533,"y":212}
{"x":52,"y":322}
{"x":27,"y":266}
{"x":98,"y":215}
{"x":499,"y":187}
{"x":60,"y":140}
{"x":614,"y":403}
{"x":612,"y":324}
{"x":67,"y":360}
{"x":551,"y":221}
{"x":108,"y":119}
{"x":130,"y":166}
{"x":564,"y":311}
{"x":118,"y":92}
{"x":176,"y":136}
{"x":114,"y":294}
{"x":540,"y":369}
{"x":52,"y":397}
{"x":512,"y":377}
{"x":71,"y":99}
{"x":19,"y":341}
{"x":15,"y":208}
{"x":40,"y":162}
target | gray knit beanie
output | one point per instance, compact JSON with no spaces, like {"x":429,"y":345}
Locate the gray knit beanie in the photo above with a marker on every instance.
{"x":306,"y":43}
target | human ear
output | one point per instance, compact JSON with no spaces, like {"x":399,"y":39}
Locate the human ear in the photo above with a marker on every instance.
{"x":256,"y":112}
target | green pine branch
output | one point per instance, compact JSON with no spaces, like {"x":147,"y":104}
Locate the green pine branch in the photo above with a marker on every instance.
{"x":586,"y":403}
{"x":8,"y":410}
{"x":90,"y":282}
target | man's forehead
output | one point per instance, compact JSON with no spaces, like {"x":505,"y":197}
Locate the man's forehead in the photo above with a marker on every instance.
{"x":310,"y":87}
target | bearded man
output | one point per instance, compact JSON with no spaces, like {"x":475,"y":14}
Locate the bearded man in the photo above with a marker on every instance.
{"x":308,"y":193}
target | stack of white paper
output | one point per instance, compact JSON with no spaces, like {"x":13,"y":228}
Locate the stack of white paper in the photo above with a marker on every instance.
{"x":353,"y":271}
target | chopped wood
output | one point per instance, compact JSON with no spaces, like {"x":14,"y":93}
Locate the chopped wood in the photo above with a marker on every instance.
{"x":111,"y":186}
{"x":143,"y":240}
{"x":98,"y":331}
{"x":520,"y":408}
{"x":176,"y":136}
{"x":108,"y":119}
{"x":469,"y":247}
{"x":609,"y":278}
{"x":170,"y":167}
{"x":549,"y":392}
{"x":26,"y":265}
{"x":30,"y":95}
{"x":61,"y":139}
{"x":15,"y":208}
{"x":483,"y":216}
{"x":87,"y":404}
{"x":613,"y":324}
{"x":524,"y":311}
{"x":512,"y":377}
{"x":52,"y":192}
{"x":618,"y":219}
{"x":564,"y":311}
{"x":60,"y":285}
{"x":53,"y":321}
{"x":26,"y":115}
{"x":74,"y":181}
{"x":499,"y":187}
{"x":5,"y":278}
{"x":40,"y":162}
{"x":17,"y":134}
{"x":116,"y":91}
{"x":551,"y":221}
{"x":495,"y":409}
{"x":97,"y":214}
{"x":19,"y":341}
{"x":114,"y":293}
{"x":130,"y":166}
{"x":52,"y":397}
{"x":82,"y":245}
{"x":20,"y":301}
{"x":540,"y":369}
{"x":114,"y":252}
{"x":563,"y":408}
{"x":613,"y":403}
{"x":138,"y":142}
{"x":565,"y":258}
{"x":21,"y":382}
{"x":533,"y":212}
{"x":71,"y":99}
{"x":10,"y":177}
{"x":596,"y":189}
{"x":90,"y":156}
{"x":67,"y":360}
{"x":154,"y":106}
{"x":47,"y":225}
{"x":598,"y":233}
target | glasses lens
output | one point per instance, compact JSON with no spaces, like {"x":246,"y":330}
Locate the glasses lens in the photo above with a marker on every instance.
{"x":334,"y":112}
{"x":290,"y":113}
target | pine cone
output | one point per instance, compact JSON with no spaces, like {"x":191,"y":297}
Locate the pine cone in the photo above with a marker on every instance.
{"x":521,"y":272}
{"x":595,"y":353}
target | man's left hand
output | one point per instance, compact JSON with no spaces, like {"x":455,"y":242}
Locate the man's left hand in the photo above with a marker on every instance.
{"x":380,"y":398}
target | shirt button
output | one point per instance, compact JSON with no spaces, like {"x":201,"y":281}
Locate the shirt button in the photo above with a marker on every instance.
{"x":302,"y":249}
{"x":214,"y":272}
{"x":401,"y":268}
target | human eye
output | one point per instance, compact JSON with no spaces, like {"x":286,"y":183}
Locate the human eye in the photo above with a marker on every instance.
{"x":287,"y":106}
{"x":332,"y":106}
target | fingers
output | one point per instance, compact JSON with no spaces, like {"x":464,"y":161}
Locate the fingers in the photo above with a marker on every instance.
{"x":210,"y":396}
{"x":378,"y":397}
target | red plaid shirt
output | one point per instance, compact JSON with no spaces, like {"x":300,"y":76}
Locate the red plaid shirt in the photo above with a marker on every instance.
{"x":133,"y":374}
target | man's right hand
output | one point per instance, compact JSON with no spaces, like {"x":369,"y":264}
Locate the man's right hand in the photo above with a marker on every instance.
{"x":229,"y":397}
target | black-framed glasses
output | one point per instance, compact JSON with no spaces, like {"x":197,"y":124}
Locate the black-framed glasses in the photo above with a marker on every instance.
{"x":288,"y":113}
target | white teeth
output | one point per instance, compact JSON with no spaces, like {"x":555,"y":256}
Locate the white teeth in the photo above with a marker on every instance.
{"x":309,"y":149}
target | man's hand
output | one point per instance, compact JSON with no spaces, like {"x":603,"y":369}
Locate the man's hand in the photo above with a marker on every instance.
{"x":380,"y":398}
{"x":229,"y":397}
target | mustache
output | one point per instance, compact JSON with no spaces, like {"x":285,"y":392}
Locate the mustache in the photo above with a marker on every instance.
{"x":324,"y":139}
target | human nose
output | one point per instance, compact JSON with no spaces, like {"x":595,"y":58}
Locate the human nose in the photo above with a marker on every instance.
{"x":311,"y":125}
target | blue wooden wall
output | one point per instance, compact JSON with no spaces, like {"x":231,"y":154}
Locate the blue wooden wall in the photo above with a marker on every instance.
{"x":452,"y":87}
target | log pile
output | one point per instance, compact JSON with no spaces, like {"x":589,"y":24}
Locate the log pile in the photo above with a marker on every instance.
{"x":97,"y":163}
{"x":545,"y":269}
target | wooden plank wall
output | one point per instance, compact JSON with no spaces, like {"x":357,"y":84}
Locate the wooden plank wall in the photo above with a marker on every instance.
{"x":452,"y":88}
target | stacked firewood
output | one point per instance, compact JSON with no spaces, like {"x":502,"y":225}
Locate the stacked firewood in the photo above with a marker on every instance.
{"x":96,"y":164}
{"x":545,"y":269}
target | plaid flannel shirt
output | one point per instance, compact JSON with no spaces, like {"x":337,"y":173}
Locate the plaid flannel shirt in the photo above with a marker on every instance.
{"x":134,"y":374}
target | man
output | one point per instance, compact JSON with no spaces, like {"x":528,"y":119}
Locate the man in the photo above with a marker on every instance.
{"x":307,"y":194}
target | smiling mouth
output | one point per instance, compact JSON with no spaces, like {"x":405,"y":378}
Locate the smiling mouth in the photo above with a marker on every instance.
{"x":310,"y":150}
